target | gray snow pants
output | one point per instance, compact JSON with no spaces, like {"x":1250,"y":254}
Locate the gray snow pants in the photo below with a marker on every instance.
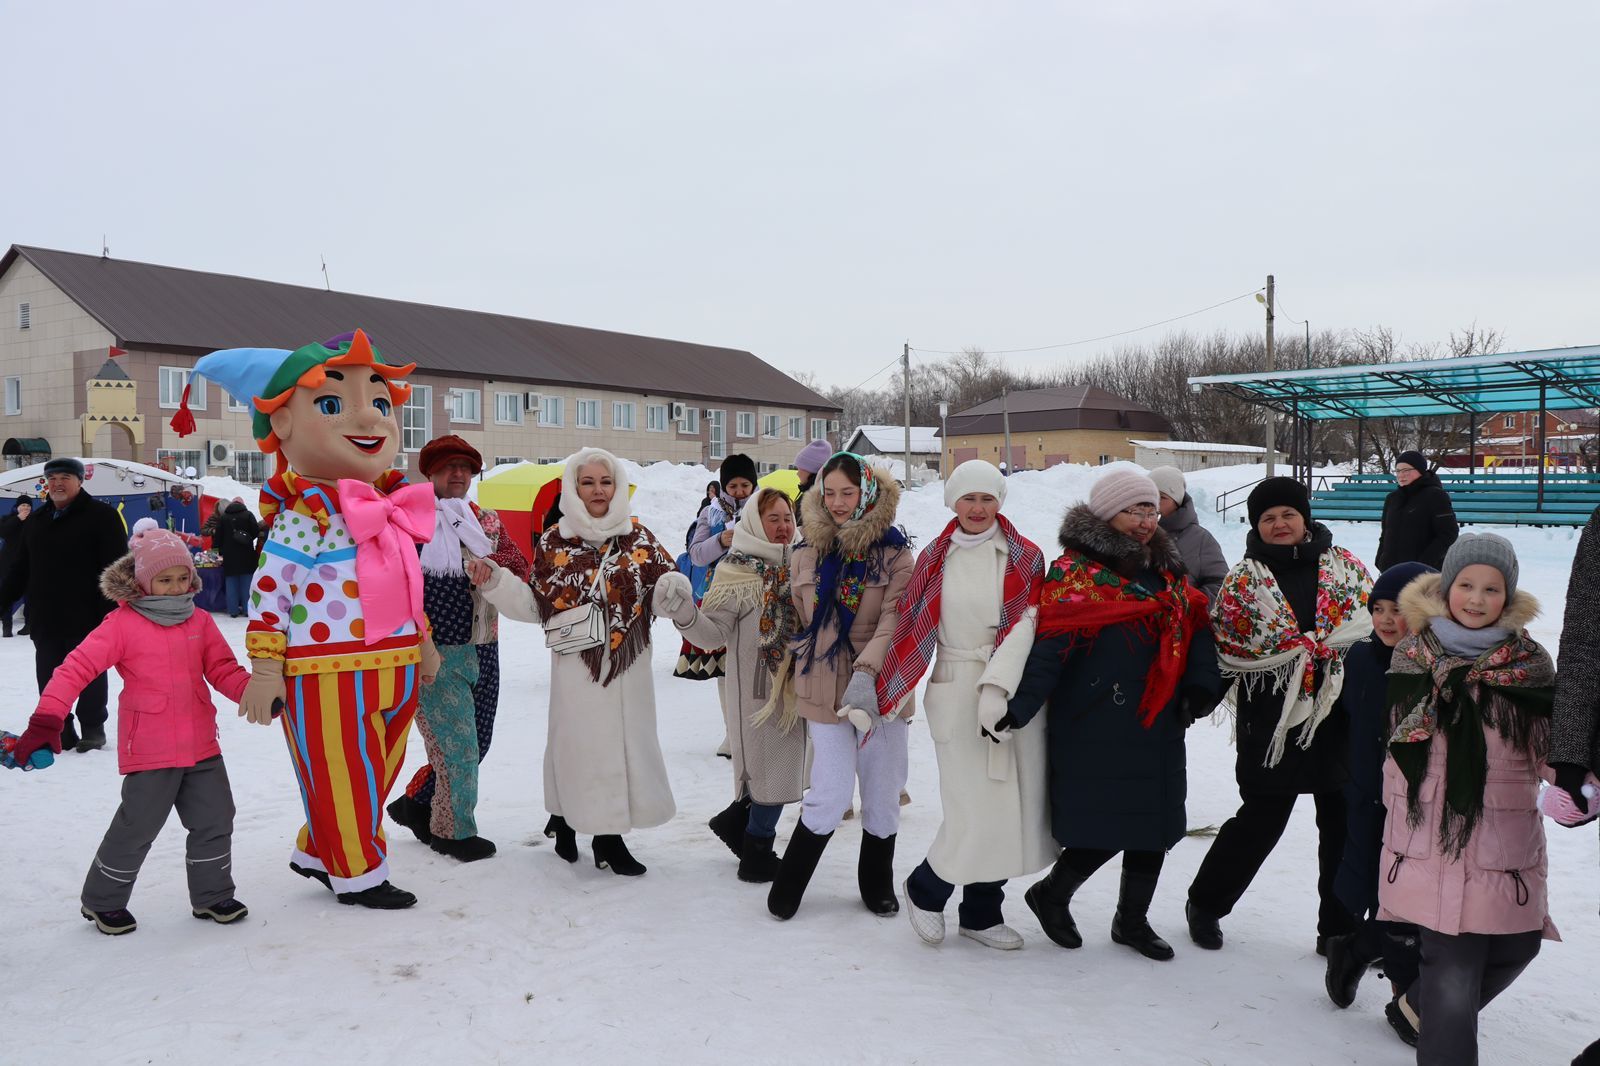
{"x":205,"y":807}
{"x":1460,"y":975}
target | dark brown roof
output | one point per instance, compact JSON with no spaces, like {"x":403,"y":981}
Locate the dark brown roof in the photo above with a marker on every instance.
{"x":194,"y":312}
{"x":1069,"y":407}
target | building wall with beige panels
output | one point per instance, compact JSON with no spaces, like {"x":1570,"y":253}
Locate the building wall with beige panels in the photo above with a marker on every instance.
{"x":1050,"y":447}
{"x":59,"y":336}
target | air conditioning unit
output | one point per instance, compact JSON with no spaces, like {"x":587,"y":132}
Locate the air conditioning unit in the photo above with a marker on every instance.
{"x":678,"y":411}
{"x":530,"y":401}
{"x":219,"y":453}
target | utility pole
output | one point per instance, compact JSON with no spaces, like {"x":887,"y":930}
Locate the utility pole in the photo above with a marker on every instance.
{"x":1271,"y":426}
{"x":905,"y":371}
{"x":1005,"y":422}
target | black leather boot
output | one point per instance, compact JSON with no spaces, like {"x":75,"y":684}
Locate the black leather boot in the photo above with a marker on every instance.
{"x":757,"y":864}
{"x":566,"y":839}
{"x":610,"y":853}
{"x":1348,"y":958}
{"x":1049,"y":900}
{"x":466,"y":849}
{"x":729,"y":825}
{"x":1205,"y":928}
{"x":1130,"y":926}
{"x":875,"y":874}
{"x":384,"y":897}
{"x":413,"y":815}
{"x":794,"y":874}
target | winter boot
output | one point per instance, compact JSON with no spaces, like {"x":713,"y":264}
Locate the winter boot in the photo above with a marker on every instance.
{"x":467,"y":849}
{"x":320,"y":876}
{"x":1204,"y":928}
{"x":94,"y":738}
{"x":384,"y":897}
{"x":414,"y":816}
{"x":610,"y":853}
{"x":7,"y":628}
{"x":566,"y":840}
{"x":1131,"y":925}
{"x":794,"y":873}
{"x":69,"y":735}
{"x":111,"y":923}
{"x":1049,"y":899}
{"x":229,"y":910}
{"x":729,"y":825}
{"x":875,"y":874}
{"x":1589,"y":1056}
{"x":757,"y":864}
{"x":1402,"y":1019}
{"x":1347,"y":961}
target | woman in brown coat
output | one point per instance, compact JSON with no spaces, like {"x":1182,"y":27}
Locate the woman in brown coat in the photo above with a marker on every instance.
{"x":847,"y":580}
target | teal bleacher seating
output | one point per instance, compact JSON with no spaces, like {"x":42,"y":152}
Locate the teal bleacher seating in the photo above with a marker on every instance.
{"x":1479,"y":498}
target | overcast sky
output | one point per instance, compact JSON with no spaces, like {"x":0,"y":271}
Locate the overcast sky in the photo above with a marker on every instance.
{"x":819,"y":182}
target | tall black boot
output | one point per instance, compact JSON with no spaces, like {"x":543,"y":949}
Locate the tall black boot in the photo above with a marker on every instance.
{"x":566,"y":839}
{"x":799,"y":863}
{"x":610,"y":853}
{"x":729,"y":825}
{"x":1049,"y":899}
{"x":1131,"y":926}
{"x":875,"y":874}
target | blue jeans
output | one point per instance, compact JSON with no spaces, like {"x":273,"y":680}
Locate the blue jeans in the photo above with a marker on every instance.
{"x":763,"y":819}
{"x":980,"y":901}
{"x":236,"y":593}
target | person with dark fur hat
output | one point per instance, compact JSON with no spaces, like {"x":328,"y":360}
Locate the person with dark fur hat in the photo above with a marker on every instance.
{"x":1125,"y":658}
{"x":63,"y":547}
{"x":1419,"y":521}
{"x":1285,"y":617}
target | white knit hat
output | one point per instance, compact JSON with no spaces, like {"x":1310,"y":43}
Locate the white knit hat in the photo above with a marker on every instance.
{"x":974,"y":475}
{"x":1170,"y":483}
{"x":1120,"y":487}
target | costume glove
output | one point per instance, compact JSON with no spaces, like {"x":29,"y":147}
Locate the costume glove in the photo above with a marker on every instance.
{"x":265,"y":687}
{"x":44,"y":731}
{"x":991,"y":709}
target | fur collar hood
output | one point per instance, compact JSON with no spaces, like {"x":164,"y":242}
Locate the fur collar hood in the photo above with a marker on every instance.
{"x":853,"y":538}
{"x":1083,"y":531}
{"x":1422,"y":601}
{"x":118,"y":585}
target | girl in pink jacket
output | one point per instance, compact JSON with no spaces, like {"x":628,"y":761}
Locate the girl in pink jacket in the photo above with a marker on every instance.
{"x":1463,"y":844}
{"x":165,"y":651}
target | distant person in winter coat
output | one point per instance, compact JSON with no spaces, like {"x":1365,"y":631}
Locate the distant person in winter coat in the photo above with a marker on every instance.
{"x":166,"y":653}
{"x":749,"y":609}
{"x":603,"y":770}
{"x":807,"y":462}
{"x":10,"y":547}
{"x":1284,"y":619}
{"x":976,"y":588}
{"x":1470,"y":694}
{"x":1202,"y":555}
{"x":1366,"y":703}
{"x":1126,"y":660}
{"x":236,"y":538}
{"x":1419,"y":522}
{"x":847,"y":581}
{"x":66,"y":543}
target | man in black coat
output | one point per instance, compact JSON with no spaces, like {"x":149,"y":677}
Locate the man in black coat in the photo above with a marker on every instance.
{"x":1419,"y":522}
{"x":65,"y":544}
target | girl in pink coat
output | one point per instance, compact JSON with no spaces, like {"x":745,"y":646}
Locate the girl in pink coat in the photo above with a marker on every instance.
{"x":165,"y":652}
{"x":1463,"y":844}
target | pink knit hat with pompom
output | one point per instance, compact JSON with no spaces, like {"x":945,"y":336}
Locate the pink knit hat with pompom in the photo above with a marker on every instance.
{"x":153,"y":551}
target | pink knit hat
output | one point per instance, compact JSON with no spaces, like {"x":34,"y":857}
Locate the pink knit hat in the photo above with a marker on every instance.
{"x":153,"y":551}
{"x":1119,"y":488}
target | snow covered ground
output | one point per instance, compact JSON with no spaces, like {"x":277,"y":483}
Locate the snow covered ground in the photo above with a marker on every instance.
{"x":524,"y":958}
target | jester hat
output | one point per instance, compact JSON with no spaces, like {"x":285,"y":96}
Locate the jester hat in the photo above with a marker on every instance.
{"x":265,"y":378}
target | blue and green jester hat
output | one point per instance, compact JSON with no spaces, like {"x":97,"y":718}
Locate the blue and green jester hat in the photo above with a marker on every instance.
{"x":265,"y":378}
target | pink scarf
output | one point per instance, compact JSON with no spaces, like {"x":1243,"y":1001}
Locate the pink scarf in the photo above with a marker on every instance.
{"x":388,"y":574}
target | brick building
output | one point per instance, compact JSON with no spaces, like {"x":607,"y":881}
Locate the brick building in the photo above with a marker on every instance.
{"x":1513,"y":437}
{"x":1076,"y":424}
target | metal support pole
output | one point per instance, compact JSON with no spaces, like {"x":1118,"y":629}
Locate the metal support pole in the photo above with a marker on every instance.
{"x":1472,"y":449}
{"x":1542,"y":387}
{"x":1271,"y":429}
{"x":1005,"y":418}
{"x":1361,"y":425}
{"x":905,"y":366}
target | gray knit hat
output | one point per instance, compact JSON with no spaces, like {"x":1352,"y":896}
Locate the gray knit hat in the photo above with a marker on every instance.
{"x":1170,"y":483}
{"x":1487,"y":548}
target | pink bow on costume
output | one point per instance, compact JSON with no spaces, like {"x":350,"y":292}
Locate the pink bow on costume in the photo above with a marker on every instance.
{"x":388,"y":575}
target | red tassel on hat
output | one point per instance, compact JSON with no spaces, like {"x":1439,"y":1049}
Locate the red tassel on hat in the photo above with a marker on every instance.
{"x":183,"y":422}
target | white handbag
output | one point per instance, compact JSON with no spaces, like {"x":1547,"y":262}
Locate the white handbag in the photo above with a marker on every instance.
{"x":579,"y":628}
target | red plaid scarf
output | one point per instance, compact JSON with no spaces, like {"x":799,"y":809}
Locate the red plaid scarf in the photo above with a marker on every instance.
{"x":916,"y":632}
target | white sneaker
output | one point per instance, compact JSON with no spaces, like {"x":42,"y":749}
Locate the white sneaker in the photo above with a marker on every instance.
{"x":999,"y":937}
{"x":929,"y":925}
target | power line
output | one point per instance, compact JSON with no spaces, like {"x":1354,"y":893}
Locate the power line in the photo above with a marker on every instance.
{"x":1092,"y":340}
{"x":874,"y":374}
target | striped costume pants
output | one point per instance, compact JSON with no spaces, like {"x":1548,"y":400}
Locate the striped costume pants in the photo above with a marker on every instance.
{"x":347,"y":738}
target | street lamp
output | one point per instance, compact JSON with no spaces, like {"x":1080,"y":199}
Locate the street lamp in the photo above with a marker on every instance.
{"x":944,"y":438}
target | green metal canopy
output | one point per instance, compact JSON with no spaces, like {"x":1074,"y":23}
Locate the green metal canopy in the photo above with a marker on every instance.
{"x":1550,"y":379}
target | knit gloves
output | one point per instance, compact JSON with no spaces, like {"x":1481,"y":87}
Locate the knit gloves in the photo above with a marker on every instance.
{"x":265,"y":690}
{"x":1570,"y":802}
{"x":994,"y":721}
{"x":860,"y":703}
{"x":44,"y":731}
{"x":1194,"y":704}
{"x":674,"y":598}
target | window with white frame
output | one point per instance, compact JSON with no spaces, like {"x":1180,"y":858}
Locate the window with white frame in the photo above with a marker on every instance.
{"x":508,"y":408}
{"x":236,"y":405}
{"x":819,"y":428}
{"x":179,"y":460}
{"x":464,"y":405}
{"x":745,"y":426}
{"x":250,"y":467}
{"x":172,"y":381}
{"x":416,"y":419}
{"x":691,"y":421}
{"x":550,"y":413}
{"x":717,"y":423}
{"x":621,"y":415}
{"x":586,"y":414}
{"x":797,"y":428}
{"x":655,"y":417}
{"x":1510,"y":422}
{"x":769,"y":425}
{"x":24,"y":315}
{"x":506,"y":460}
{"x":13,"y":396}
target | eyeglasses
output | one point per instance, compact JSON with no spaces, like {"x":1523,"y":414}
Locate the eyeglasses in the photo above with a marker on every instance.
{"x":1142,"y":514}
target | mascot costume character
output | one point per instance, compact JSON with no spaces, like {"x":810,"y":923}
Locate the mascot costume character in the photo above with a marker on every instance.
{"x":337,"y":638}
